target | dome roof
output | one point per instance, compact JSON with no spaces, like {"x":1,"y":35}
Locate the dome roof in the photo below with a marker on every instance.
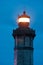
{"x":24,"y":15}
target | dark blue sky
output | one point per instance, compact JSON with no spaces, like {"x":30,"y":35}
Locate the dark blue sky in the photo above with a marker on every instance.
{"x":9,"y":10}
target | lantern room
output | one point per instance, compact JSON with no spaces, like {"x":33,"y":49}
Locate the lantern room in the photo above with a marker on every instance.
{"x":23,"y":20}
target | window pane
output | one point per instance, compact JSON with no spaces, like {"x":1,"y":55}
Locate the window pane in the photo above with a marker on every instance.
{"x":27,"y":41}
{"x":31,"y":42}
{"x":20,"y":57}
{"x":20,"y":41}
{"x":27,"y":57}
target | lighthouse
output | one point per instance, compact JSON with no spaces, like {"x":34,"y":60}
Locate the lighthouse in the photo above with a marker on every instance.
{"x":23,"y":36}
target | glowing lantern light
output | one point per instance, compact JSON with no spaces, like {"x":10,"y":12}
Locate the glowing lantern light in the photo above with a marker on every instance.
{"x":23,"y":20}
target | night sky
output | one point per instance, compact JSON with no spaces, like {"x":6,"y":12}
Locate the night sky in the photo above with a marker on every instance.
{"x":9,"y":11}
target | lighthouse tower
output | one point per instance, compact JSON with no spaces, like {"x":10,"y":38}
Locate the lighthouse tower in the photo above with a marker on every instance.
{"x":24,"y":36}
